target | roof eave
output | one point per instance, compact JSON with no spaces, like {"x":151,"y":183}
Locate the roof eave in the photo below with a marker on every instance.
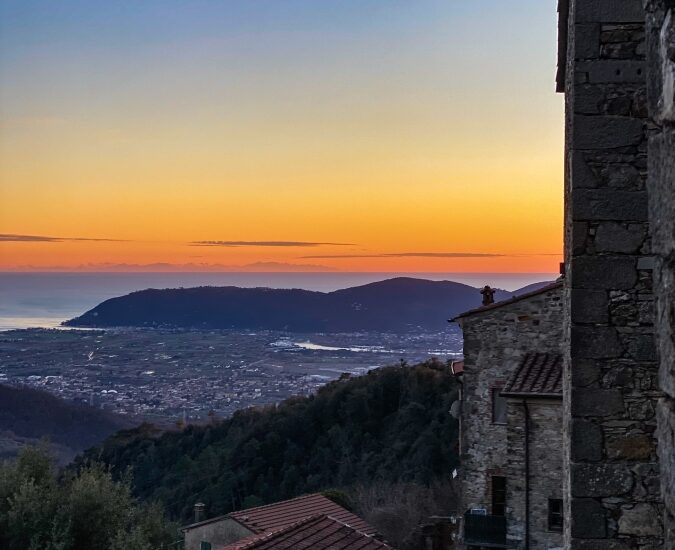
{"x":496,"y":305}
{"x":536,"y":395}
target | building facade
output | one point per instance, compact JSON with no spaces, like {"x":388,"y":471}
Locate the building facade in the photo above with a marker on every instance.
{"x":616,"y":70}
{"x":502,"y":489}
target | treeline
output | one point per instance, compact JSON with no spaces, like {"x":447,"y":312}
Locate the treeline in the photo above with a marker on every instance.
{"x":390,"y":426}
{"x":44,"y":509}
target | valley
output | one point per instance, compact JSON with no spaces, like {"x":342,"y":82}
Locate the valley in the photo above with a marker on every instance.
{"x":169,"y":375}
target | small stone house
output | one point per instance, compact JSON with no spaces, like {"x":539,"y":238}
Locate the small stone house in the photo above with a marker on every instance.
{"x":216,"y":533}
{"x":511,"y":423}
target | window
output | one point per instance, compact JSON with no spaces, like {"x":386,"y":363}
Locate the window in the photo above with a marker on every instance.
{"x":498,"y":495}
{"x":204,"y":545}
{"x":498,"y":406}
{"x":555,"y":514}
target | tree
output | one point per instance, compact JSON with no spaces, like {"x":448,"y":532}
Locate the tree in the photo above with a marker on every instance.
{"x":88,"y":509}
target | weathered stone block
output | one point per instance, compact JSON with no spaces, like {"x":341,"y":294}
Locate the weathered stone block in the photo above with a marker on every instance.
{"x":579,"y":238}
{"x":604,"y":273}
{"x":596,"y":402}
{"x":610,"y":11}
{"x":583,"y":176}
{"x":588,"y":519}
{"x":605,"y":71}
{"x":642,"y":520}
{"x":666,"y":422}
{"x":642,"y":410}
{"x":587,"y":100}
{"x":586,"y":441}
{"x":585,"y":372}
{"x":622,"y":175}
{"x":600,"y":480}
{"x":666,"y":110}
{"x":640,"y":347}
{"x":591,"y":306}
{"x":606,"y":132}
{"x":600,"y":205}
{"x":587,"y":44}
{"x":592,"y":342}
{"x":600,"y":545}
{"x":621,"y":238}
{"x":632,"y":447}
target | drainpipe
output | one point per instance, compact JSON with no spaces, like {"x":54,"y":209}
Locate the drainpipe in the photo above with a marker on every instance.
{"x":527,"y":474}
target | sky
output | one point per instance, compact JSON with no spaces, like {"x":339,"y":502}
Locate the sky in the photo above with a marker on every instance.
{"x":281,"y":135}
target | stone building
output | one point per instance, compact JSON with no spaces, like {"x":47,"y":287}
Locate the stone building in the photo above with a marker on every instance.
{"x":534,"y":511}
{"x":253,"y":524}
{"x":617,"y":70}
{"x":511,"y":395}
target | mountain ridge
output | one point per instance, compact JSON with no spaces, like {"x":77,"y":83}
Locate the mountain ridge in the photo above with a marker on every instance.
{"x":399,"y":304}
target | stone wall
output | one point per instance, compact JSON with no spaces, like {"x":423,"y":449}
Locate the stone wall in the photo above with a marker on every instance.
{"x":610,"y":394}
{"x":218,"y":532}
{"x":661,"y":187}
{"x":494,"y":342}
{"x":545,"y":471}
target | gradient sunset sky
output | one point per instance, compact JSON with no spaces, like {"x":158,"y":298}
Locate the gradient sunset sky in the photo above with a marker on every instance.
{"x":357,"y":135}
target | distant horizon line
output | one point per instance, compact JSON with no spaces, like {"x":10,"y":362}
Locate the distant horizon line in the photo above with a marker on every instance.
{"x":103,"y":272}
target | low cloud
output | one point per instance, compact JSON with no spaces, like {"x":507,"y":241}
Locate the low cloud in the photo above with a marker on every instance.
{"x":166,"y":267}
{"x":411,"y":255}
{"x":10,"y":237}
{"x":266,"y":243}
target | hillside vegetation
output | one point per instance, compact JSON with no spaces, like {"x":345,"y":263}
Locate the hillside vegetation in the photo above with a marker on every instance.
{"x":389,"y":426}
{"x":28,"y":415}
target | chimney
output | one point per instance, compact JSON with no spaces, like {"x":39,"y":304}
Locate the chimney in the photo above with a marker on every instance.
{"x":488,"y":295}
{"x":200,"y":511}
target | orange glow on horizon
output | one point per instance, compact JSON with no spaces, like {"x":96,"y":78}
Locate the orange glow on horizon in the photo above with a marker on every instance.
{"x":387,"y":133}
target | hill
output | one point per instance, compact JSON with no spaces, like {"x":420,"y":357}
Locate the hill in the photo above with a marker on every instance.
{"x":28,"y":415}
{"x":394,"y":305}
{"x":389,"y":426}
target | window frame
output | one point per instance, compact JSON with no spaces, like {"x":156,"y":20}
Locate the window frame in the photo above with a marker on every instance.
{"x":556,"y":525}
{"x":495,"y":393}
{"x":493,"y":493}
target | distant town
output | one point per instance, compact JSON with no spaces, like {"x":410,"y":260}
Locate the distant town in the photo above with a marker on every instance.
{"x":176,"y":375}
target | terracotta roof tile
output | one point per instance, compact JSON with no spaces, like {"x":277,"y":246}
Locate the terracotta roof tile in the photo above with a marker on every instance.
{"x":314,"y":532}
{"x":280,"y":514}
{"x":538,"y":375}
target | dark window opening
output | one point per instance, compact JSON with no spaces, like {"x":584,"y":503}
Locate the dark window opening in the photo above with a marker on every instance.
{"x":498,"y":406}
{"x":203,"y":545}
{"x":555,"y":514}
{"x":498,"y":495}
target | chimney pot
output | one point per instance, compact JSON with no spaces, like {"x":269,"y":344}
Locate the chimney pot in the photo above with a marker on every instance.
{"x":200,"y":511}
{"x":488,"y":295}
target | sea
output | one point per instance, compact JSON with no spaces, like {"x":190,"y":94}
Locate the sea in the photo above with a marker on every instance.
{"x":45,"y":300}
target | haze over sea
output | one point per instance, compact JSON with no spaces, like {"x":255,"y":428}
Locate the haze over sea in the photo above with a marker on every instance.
{"x":46,"y":299}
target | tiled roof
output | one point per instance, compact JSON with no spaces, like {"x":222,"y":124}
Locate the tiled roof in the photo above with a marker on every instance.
{"x":280,"y":514}
{"x":538,"y":375}
{"x":314,"y":532}
{"x":518,"y":298}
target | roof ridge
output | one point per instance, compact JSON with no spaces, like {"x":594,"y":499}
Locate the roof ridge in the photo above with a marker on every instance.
{"x":281,"y":502}
{"x":508,"y":301}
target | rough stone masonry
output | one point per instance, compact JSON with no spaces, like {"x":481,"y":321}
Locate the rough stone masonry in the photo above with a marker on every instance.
{"x":613,"y":499}
{"x":661,"y":191}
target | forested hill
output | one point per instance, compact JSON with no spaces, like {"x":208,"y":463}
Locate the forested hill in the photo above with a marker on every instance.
{"x":28,"y":415}
{"x":390,"y":425}
{"x":394,"y":305}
